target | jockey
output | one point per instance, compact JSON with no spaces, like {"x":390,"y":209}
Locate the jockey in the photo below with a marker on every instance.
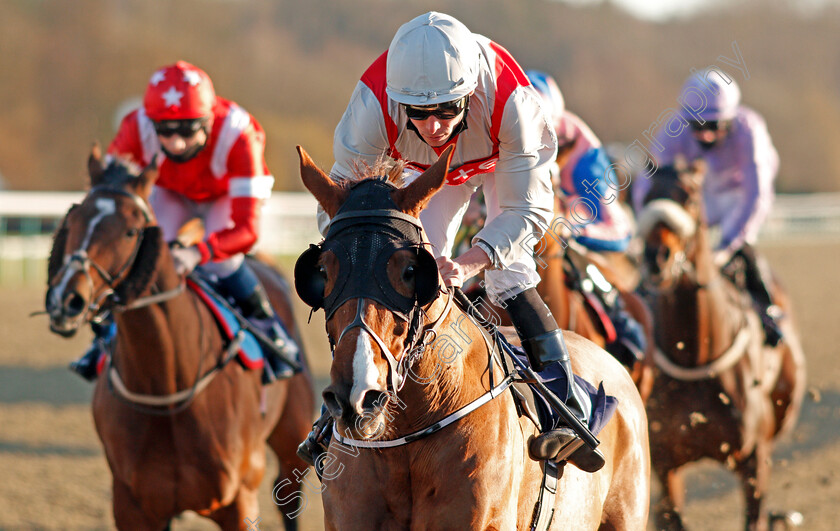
{"x":738,"y":187}
{"x":584,"y":162}
{"x":440,"y":85}
{"x":210,"y":157}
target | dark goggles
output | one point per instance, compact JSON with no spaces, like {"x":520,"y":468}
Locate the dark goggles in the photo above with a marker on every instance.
{"x":710,"y":125}
{"x":443,"y":111}
{"x":182,"y":128}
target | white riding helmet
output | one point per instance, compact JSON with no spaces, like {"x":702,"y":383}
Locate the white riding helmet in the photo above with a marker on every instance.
{"x":722,"y":98}
{"x":433,"y":59}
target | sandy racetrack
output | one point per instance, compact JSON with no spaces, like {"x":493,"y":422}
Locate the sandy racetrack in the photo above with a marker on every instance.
{"x":54,"y":475}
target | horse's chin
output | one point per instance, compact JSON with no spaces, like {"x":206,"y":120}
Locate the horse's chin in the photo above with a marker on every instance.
{"x":64,"y":327}
{"x":366,"y":427}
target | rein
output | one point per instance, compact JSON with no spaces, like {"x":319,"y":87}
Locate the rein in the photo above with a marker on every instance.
{"x":447,"y":420}
{"x":705,"y":372}
{"x":79,"y":260}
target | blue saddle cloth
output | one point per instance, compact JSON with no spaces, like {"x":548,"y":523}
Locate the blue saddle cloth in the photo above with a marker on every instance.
{"x":554,"y":377}
{"x":250,"y":353}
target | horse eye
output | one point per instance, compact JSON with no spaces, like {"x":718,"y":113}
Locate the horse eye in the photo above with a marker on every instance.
{"x":408,"y":274}
{"x":131,"y":233}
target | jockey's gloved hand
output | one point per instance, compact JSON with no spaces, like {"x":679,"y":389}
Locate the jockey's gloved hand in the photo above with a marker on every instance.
{"x":186,"y":259}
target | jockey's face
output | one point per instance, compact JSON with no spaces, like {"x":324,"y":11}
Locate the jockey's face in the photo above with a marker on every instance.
{"x":182,"y":140}
{"x":710,"y":133}
{"x":436,"y":131}
{"x":436,"y":123}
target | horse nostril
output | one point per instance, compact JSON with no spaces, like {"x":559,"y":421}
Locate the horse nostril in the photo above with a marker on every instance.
{"x":374,"y":400}
{"x":74,"y":305}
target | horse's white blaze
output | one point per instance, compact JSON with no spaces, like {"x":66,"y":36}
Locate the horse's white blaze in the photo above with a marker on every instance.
{"x":106,"y":207}
{"x":365,"y":373}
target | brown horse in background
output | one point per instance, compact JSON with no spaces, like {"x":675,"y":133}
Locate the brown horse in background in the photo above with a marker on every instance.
{"x":719,"y":392}
{"x":182,"y":428}
{"x":472,"y":473}
{"x":569,"y":307}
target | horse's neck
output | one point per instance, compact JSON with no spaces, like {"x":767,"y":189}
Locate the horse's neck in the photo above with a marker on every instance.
{"x":149,"y":337}
{"x":700,"y":308}
{"x":451,"y":373}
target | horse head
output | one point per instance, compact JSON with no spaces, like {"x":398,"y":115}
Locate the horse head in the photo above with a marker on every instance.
{"x":669,"y":220}
{"x":375,"y":279}
{"x":106,"y":248}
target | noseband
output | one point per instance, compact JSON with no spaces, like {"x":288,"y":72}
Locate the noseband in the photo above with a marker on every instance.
{"x":364,"y":235}
{"x":80,"y":261}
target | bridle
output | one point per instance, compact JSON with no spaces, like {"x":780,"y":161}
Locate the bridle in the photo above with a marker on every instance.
{"x":363,"y":240}
{"x":80,"y":261}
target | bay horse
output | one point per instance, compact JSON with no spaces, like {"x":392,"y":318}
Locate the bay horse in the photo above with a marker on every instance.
{"x":719,"y":392}
{"x":569,"y":306}
{"x":424,"y":438}
{"x":182,"y":428}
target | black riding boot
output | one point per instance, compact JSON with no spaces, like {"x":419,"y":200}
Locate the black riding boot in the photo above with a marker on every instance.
{"x":244,"y":286}
{"x":318,"y":440}
{"x":757,"y":281}
{"x":103,"y":333}
{"x":543,"y":343}
{"x":258,"y":310}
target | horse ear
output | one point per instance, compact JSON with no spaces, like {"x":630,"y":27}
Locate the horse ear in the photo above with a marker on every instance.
{"x":327,"y":192}
{"x":413,"y":198}
{"x":95,"y":167}
{"x":146,"y":180}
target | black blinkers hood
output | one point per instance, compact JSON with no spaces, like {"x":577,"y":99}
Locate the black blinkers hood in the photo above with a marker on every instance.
{"x":365,"y":232}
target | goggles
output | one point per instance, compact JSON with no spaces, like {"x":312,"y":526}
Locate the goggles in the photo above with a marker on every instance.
{"x":443,"y":111}
{"x":710,"y":125}
{"x":182,"y":128}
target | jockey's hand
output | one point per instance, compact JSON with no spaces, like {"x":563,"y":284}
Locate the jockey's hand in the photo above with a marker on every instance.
{"x":451,"y":272}
{"x":456,"y":272}
{"x":186,"y":259}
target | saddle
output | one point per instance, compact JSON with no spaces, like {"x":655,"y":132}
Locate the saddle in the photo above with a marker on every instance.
{"x":584,"y":277}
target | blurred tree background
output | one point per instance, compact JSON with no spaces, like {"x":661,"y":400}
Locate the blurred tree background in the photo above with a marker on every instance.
{"x":66,"y":67}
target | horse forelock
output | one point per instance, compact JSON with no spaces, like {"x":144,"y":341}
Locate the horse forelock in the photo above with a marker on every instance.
{"x":119,"y":173}
{"x":668,"y":212}
{"x":383,"y":168}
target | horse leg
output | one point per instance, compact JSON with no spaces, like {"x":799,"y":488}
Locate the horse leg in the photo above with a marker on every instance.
{"x":789,"y":390}
{"x":129,"y":515}
{"x":242,"y":514}
{"x":295,"y":480}
{"x":667,"y":510}
{"x":755,"y":474}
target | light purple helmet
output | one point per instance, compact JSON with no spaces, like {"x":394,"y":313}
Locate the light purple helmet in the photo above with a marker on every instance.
{"x":711,"y":98}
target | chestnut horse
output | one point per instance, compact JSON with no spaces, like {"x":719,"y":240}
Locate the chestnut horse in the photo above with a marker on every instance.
{"x":424,"y":437}
{"x":182,"y":428}
{"x":719,"y":392}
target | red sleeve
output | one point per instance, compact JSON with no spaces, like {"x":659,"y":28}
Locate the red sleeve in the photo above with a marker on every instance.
{"x":245,"y":161}
{"x":238,"y":239}
{"x":126,"y":144}
{"x":246,"y":158}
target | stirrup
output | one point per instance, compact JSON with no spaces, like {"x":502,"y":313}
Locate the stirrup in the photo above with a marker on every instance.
{"x":563,"y":444}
